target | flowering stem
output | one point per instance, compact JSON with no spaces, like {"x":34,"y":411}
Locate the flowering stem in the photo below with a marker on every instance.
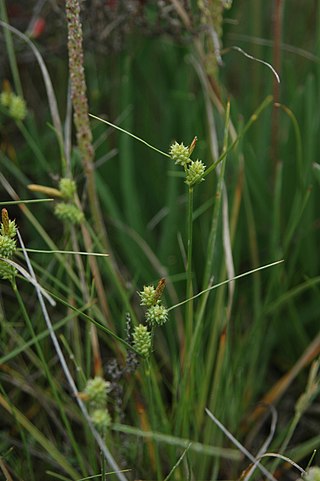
{"x":80,"y":106}
{"x":153,"y":449}
{"x":189,"y":294}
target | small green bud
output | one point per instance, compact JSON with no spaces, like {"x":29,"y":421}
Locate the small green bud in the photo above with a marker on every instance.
{"x":67,"y":187}
{"x":7,"y":272}
{"x":7,"y":246}
{"x":5,"y":98}
{"x":68,"y":213}
{"x":101,"y":420}
{"x":148,"y":296}
{"x":96,"y":391}
{"x":142,"y":340}
{"x":180,"y":154}
{"x":157,"y":315}
{"x":195,"y":172}
{"x":17,"y":107}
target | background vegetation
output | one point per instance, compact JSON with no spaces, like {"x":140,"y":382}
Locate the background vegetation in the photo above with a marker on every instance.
{"x":165,"y":71}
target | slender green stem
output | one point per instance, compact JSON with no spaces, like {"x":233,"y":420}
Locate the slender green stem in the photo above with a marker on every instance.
{"x":217,"y":206}
{"x":27,"y":201}
{"x":152,"y":411}
{"x":254,"y":117}
{"x":131,"y":135}
{"x":24,"y":438}
{"x":33,"y":145}
{"x":301,"y":171}
{"x":189,"y":291}
{"x":50,"y":378}
{"x":10,"y":50}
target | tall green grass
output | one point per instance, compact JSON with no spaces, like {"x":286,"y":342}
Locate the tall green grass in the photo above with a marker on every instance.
{"x":248,"y":340}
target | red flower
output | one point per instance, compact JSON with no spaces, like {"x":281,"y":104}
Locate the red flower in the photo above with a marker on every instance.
{"x":38,"y":27}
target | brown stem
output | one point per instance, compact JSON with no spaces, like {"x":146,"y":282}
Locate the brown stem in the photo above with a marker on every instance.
{"x":80,"y":107}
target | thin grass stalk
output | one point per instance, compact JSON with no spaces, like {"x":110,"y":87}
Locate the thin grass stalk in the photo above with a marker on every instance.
{"x":196,"y":335}
{"x":217,"y":207}
{"x":253,"y":118}
{"x":10,"y":51}
{"x":275,"y":230}
{"x":189,"y":288}
{"x":51,"y":381}
{"x":186,"y":384}
{"x":46,"y":78}
{"x":67,"y":373}
{"x":29,"y":470}
{"x":254,"y":460}
{"x":302,"y":404}
{"x":153,"y":447}
{"x":302,"y":172}
{"x":41,"y":231}
{"x":277,"y":34}
{"x":253,"y":248}
{"x":39,"y":437}
{"x":113,"y":277}
{"x":33,"y":146}
{"x":101,"y":295}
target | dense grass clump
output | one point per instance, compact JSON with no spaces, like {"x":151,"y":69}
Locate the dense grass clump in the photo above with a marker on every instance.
{"x":159,"y":259}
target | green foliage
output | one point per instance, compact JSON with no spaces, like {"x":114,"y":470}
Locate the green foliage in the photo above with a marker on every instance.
{"x":224,"y":348}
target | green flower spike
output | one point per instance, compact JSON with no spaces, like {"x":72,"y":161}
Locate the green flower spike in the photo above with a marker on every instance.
{"x":7,"y":272}
{"x":180,"y":154}
{"x":101,"y":420}
{"x":7,"y":246}
{"x":142,"y":340}
{"x":97,"y":390}
{"x":157,"y":315}
{"x":5,"y":98}
{"x":195,"y":173}
{"x":68,"y":213}
{"x":147,"y":296}
{"x":67,"y":187}
{"x":313,"y":474}
{"x":17,"y":107}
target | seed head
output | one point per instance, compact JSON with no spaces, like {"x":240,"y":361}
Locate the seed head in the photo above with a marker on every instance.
{"x":96,"y":391}
{"x":101,"y":419}
{"x":157,"y":315}
{"x":5,"y":98}
{"x":180,"y":154}
{"x":68,"y":213}
{"x":195,"y":173}
{"x":7,"y":272}
{"x":142,"y":340}
{"x":7,"y":246}
{"x":148,"y":296}
{"x":313,"y":474}
{"x":17,"y":107}
{"x":67,"y":187}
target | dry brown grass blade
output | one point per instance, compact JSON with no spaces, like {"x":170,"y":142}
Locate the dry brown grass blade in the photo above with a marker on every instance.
{"x":277,"y":391}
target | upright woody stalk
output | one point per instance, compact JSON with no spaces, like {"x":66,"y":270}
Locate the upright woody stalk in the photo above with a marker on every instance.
{"x":80,"y":107}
